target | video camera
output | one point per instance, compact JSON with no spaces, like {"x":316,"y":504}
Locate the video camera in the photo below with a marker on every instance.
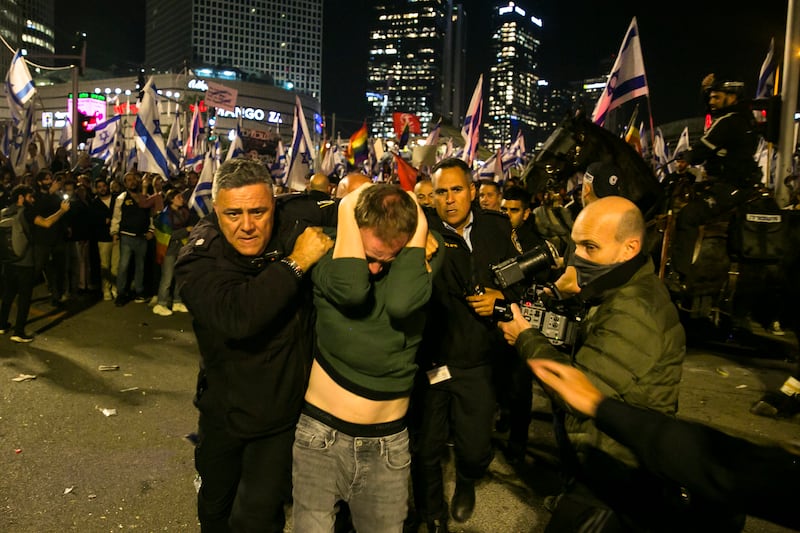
{"x":556,"y":318}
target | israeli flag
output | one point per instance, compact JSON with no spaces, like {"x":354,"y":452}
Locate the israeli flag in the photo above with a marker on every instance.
{"x":19,"y":86}
{"x":65,"y":140}
{"x":472,"y":123}
{"x":302,"y":153}
{"x":766,"y":77}
{"x":105,"y":134}
{"x":152,"y":154}
{"x":627,"y":79}
{"x":278,"y":168}
{"x":433,"y":136}
{"x":237,"y":147}
{"x":200,"y":200}
{"x":175,"y":144}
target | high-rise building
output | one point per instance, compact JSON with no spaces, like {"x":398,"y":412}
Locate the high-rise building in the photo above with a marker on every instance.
{"x":28,"y":25}
{"x":277,"y":39}
{"x":415,"y":62}
{"x":38,"y":37}
{"x":512,"y":90}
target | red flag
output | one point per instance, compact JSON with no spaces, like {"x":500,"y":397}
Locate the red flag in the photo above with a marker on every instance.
{"x":401,"y":120}
{"x":405,"y":173}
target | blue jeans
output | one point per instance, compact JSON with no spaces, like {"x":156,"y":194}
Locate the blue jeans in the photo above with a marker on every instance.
{"x":167,"y":275}
{"x":137,"y":247}
{"x":370,"y":473}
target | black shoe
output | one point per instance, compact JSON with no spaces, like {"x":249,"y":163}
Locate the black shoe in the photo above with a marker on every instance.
{"x":776,"y":405}
{"x":5,"y":328}
{"x":438,"y":526}
{"x":463,"y":502}
{"x":120,"y":301}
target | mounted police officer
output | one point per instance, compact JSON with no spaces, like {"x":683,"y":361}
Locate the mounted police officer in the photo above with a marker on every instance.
{"x":726,"y":151}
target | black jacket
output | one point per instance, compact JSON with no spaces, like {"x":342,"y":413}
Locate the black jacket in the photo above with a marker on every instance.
{"x":100,"y":215}
{"x":314,"y":208}
{"x":454,"y":334}
{"x":726,"y":149}
{"x":254,"y":326}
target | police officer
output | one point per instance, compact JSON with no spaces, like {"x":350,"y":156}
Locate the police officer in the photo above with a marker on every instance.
{"x":246,"y":286}
{"x":726,"y":151}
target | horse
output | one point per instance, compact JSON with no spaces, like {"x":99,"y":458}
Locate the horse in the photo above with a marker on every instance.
{"x":721,"y":271}
{"x":574,"y":145}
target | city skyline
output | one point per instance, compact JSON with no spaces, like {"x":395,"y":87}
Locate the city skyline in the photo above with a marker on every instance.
{"x":680,"y":45}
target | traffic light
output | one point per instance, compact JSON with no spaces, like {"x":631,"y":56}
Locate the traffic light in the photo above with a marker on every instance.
{"x":768,"y":117}
{"x":140,"y":83}
{"x":84,"y":125}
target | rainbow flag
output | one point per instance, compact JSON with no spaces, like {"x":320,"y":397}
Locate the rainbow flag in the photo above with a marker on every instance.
{"x":163,"y":234}
{"x":357,"y":149}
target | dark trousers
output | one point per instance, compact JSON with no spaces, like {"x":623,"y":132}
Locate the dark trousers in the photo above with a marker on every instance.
{"x":514,"y":385}
{"x":19,"y":285}
{"x":245,"y":482}
{"x":52,"y":261}
{"x":461,"y":408}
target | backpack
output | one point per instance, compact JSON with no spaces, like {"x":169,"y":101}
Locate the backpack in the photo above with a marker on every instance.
{"x":13,"y":238}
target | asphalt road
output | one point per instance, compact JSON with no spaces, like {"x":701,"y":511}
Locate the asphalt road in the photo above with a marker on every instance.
{"x":91,"y":450}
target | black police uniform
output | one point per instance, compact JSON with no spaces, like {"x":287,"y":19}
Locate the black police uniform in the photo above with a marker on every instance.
{"x":462,"y":407}
{"x":253,"y":320}
{"x":726,"y":150}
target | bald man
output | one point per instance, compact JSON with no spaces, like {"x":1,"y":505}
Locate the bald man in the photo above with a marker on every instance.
{"x":351,"y":182}
{"x":319,"y":182}
{"x":630,"y":344}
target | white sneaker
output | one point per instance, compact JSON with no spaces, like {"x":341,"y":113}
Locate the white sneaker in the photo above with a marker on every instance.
{"x":107,"y":296}
{"x":775,"y":328}
{"x":161,"y":310}
{"x":178,"y":307}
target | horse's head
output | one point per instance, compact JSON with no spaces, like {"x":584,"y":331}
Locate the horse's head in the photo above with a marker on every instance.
{"x":577,"y":143}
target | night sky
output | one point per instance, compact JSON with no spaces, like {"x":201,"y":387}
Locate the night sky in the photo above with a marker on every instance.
{"x":681,"y":42}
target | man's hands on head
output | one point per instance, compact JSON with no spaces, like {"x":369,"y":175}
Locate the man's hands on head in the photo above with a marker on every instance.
{"x":570,"y":383}
{"x":515,"y":326}
{"x":309,"y":247}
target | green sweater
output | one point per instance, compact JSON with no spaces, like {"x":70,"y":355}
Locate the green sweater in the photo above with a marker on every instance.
{"x":369,"y":327}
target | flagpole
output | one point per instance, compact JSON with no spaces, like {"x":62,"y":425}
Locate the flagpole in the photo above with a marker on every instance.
{"x":789,"y":90}
{"x":75,"y":124}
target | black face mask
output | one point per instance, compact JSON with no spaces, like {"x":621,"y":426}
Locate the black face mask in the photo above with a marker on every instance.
{"x":588,"y":271}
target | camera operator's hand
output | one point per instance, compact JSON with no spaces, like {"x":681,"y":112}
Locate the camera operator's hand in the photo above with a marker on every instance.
{"x":483,"y":304}
{"x":513,"y":328}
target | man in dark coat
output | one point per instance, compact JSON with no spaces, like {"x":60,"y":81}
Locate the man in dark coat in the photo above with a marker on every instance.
{"x":250,"y":299}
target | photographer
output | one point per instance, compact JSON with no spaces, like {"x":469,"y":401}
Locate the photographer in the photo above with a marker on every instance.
{"x":631,"y":345}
